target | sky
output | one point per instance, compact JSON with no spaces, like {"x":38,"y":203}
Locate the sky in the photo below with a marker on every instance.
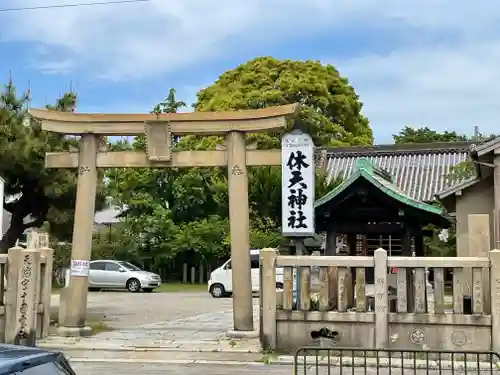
{"x":432,"y":63}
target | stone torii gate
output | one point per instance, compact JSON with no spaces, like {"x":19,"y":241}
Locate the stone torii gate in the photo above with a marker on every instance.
{"x":159,"y":130}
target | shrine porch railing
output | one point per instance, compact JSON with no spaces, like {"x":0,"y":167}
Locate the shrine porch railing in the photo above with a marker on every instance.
{"x":402,"y":309}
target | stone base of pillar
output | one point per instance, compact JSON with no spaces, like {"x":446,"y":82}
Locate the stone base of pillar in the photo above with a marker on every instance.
{"x":242,"y":334}
{"x":74,"y":331}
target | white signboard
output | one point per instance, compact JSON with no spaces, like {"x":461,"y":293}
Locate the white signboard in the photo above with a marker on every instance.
{"x":80,"y":268}
{"x":297,"y":184}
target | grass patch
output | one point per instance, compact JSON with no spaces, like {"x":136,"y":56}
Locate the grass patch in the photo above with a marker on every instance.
{"x":97,"y":323}
{"x":448,"y":290}
{"x":99,"y":327}
{"x":268,"y":357}
{"x":56,"y":289}
{"x":164,"y":288}
{"x":179,"y":287}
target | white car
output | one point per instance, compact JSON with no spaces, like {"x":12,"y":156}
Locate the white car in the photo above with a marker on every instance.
{"x":114,"y":274}
{"x":220,"y":283}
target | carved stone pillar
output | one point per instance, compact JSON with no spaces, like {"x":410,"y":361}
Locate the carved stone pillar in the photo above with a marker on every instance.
{"x":22,"y":287}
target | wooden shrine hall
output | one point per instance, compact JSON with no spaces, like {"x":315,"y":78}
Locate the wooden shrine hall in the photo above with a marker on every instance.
{"x":368,"y":211}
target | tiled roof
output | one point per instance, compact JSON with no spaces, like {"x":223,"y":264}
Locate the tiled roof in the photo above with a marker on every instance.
{"x":457,"y":187}
{"x":419,"y":170}
{"x":482,"y":149}
{"x":487,"y":146}
{"x":365,"y":169}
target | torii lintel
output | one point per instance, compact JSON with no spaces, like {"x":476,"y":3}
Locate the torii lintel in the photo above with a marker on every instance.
{"x":159,"y":130}
{"x":195,"y":123}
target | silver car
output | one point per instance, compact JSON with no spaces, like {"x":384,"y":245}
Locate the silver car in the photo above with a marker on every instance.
{"x":114,"y":274}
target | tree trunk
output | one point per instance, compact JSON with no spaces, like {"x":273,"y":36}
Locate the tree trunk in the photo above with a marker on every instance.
{"x":10,"y":237}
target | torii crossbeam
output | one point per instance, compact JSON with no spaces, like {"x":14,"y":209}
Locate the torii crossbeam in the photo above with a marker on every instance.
{"x":159,"y":130}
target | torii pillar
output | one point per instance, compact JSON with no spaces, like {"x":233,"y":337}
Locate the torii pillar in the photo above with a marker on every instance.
{"x":159,"y":130}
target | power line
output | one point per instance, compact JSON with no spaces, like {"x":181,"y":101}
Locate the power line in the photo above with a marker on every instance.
{"x":72,"y":5}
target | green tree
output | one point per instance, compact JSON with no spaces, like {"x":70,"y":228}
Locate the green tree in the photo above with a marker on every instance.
{"x":169,"y":105}
{"x":426,"y":135}
{"x":34,"y":195}
{"x":439,"y":246}
{"x":330,"y":112}
{"x":330,"y":108}
{"x":170,"y":210}
{"x":460,"y":171}
{"x":184,"y":212}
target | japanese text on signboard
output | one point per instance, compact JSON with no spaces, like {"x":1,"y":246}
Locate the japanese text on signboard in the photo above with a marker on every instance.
{"x":297,"y":184}
{"x":297,"y":193}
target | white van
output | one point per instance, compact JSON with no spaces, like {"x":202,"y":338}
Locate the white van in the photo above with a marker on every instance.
{"x":220,"y":283}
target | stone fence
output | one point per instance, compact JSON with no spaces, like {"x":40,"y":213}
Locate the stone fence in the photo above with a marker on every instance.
{"x":26,"y":278}
{"x":401,"y":310}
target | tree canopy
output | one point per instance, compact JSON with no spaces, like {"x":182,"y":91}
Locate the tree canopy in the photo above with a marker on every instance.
{"x":34,"y":195}
{"x":426,"y":135}
{"x":461,"y":171}
{"x":184,"y":212}
{"x":330,"y":108}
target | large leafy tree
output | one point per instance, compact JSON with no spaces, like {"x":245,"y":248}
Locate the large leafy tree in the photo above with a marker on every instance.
{"x":190,"y":206}
{"x":170,"y":211}
{"x":330,"y":108}
{"x":330,"y":112}
{"x":34,"y":195}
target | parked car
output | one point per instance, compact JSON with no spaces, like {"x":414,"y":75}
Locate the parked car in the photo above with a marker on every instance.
{"x":115,"y":274}
{"x":23,"y":360}
{"x":220,"y":283}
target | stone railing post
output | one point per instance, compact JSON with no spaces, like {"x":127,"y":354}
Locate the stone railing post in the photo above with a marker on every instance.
{"x":21,"y":306}
{"x":495,"y":299}
{"x":46,"y":282}
{"x":268,"y":297}
{"x":381,"y":300}
{"x":479,"y":246}
{"x":40,"y":241}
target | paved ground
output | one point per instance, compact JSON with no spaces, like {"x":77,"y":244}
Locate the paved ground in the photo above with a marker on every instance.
{"x":89,"y":368}
{"x":122,"y":309}
{"x":163,"y":369}
{"x":154,"y":318}
{"x":159,"y":319}
{"x":179,"y":333}
{"x":210,"y":369}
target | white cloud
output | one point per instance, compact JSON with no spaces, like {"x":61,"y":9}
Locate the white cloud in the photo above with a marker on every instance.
{"x":55,"y":67}
{"x":143,"y":39}
{"x":452,"y":85}
{"x":445,"y":88}
{"x":133,"y":40}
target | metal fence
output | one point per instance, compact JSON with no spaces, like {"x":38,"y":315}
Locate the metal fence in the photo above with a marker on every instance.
{"x":320,"y":360}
